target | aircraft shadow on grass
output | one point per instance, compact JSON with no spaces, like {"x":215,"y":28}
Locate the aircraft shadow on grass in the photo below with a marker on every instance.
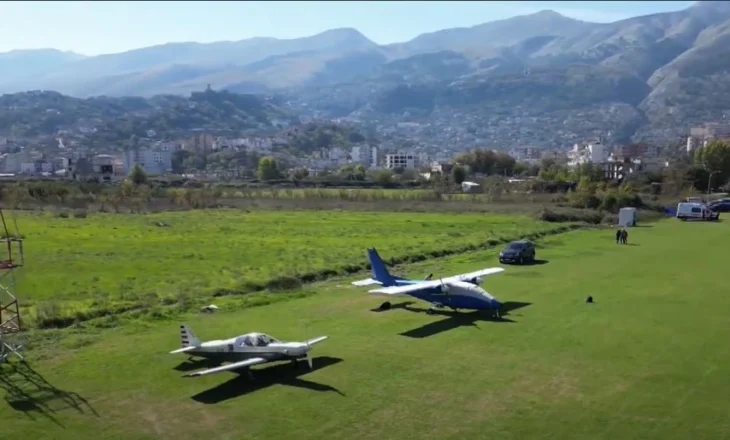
{"x":280,"y":374}
{"x":455,"y":319}
{"x":27,"y":391}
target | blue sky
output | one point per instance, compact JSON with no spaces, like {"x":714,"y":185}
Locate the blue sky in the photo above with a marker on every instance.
{"x":94,"y":28}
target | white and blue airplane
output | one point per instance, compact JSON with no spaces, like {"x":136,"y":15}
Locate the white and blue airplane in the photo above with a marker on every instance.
{"x":456,"y":292}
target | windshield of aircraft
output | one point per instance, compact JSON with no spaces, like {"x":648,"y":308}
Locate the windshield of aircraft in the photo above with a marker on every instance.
{"x":255,"y":340}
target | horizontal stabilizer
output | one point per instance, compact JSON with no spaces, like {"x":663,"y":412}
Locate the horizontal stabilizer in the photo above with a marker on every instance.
{"x":236,"y":365}
{"x":184,"y":349}
{"x":366,"y":282}
{"x":316,"y":340}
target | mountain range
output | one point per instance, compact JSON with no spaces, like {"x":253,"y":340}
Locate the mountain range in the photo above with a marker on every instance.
{"x":656,"y":69}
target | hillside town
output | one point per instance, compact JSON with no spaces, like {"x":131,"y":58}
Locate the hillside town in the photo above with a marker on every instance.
{"x":402,"y":146}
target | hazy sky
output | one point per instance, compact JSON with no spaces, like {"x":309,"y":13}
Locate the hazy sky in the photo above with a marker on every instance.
{"x":99,"y":27}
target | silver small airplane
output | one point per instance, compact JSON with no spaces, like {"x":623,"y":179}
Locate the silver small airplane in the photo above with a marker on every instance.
{"x":243,"y":351}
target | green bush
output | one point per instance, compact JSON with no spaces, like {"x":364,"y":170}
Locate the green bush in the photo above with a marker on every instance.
{"x":585,"y":216}
{"x":610,"y":202}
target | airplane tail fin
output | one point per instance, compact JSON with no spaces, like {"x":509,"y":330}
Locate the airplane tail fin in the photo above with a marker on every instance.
{"x":380,"y":272}
{"x":187,"y":336}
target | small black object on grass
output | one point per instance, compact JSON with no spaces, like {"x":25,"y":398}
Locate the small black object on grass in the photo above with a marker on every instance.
{"x":589,"y":299}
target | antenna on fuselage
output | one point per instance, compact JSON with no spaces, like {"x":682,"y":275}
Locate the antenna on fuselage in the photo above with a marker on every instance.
{"x":444,"y":287}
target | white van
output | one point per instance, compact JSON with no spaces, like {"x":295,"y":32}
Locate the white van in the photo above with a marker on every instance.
{"x":695,"y":211}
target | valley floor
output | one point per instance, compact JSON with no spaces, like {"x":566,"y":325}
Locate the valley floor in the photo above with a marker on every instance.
{"x":647,"y":360}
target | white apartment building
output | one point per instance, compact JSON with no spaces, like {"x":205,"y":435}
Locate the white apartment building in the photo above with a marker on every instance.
{"x":403,"y":160}
{"x":580,"y":154}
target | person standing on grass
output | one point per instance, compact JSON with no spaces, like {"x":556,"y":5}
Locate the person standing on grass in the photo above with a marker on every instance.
{"x":624,"y":236}
{"x":618,"y":236}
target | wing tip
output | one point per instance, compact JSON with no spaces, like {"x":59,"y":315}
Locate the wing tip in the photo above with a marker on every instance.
{"x":317,"y":340}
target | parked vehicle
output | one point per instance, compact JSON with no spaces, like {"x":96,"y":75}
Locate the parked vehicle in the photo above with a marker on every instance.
{"x":520,"y":251}
{"x":720,"y":206}
{"x":696,"y":211}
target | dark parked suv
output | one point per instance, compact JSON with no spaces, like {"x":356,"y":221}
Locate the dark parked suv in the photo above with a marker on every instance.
{"x":520,"y":251}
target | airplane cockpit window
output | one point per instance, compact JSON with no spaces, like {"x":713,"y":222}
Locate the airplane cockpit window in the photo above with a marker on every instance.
{"x":261,"y":341}
{"x":244,"y":341}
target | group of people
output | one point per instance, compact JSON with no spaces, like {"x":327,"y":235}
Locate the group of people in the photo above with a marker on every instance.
{"x":622,"y":235}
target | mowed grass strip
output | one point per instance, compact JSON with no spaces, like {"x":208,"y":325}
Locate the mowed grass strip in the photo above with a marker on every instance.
{"x":199,"y":251}
{"x":646,"y":361}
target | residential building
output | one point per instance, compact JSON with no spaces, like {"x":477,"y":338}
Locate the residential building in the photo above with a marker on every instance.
{"x":711,"y":131}
{"x":401,"y":160}
{"x":167,"y":146}
{"x":365,"y":154}
{"x":59,"y":163}
{"x":337,"y":154}
{"x":201,"y":143}
{"x":152,"y":160}
{"x":14,"y":161}
{"x":258,"y":144}
{"x":637,"y":150}
{"x":700,"y":136}
{"x":591,"y":153}
{"x":618,"y":167}
{"x":28,"y":168}
{"x":103,"y":166}
{"x":442,"y":167}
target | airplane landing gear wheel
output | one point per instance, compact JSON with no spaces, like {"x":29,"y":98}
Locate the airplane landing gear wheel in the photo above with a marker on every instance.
{"x":385,"y":306}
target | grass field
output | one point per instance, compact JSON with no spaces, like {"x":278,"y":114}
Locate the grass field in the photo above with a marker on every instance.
{"x":105,"y":259}
{"x":646,"y":361}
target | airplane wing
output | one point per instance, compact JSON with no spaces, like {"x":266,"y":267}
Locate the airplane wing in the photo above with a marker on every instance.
{"x":407,"y":289}
{"x":184,"y":349}
{"x":233,"y":366}
{"x":471,"y":275}
{"x":315,"y":340}
{"x":366,"y":282}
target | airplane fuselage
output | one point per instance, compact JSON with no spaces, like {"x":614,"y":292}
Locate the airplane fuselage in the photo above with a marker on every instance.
{"x":229,"y":351}
{"x":459,"y":295}
{"x":457,"y":300}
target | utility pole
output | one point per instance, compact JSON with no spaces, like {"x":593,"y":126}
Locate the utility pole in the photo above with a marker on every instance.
{"x":709,"y":183}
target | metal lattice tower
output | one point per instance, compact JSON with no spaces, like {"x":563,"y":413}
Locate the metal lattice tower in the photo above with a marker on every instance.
{"x":11,"y":258}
